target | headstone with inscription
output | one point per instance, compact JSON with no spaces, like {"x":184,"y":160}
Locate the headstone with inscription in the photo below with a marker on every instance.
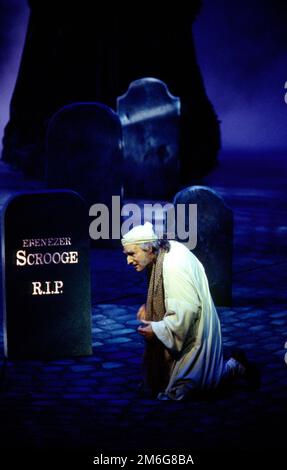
{"x":214,"y":220}
{"x":150,"y":120}
{"x":46,"y":276}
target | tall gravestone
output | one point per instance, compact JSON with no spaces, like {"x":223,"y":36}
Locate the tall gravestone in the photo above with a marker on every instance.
{"x":84,"y":151}
{"x":214,"y":238}
{"x":46,"y":276}
{"x":150,"y":121}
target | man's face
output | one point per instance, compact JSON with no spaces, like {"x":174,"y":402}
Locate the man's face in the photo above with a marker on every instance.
{"x":138,"y":257}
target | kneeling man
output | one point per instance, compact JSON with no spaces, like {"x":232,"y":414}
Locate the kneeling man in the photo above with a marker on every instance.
{"x":182,"y":330}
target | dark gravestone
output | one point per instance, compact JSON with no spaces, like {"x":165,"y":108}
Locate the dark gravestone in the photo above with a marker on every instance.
{"x":46,"y":276}
{"x":84,"y":151}
{"x":150,"y":119}
{"x":214,"y":238}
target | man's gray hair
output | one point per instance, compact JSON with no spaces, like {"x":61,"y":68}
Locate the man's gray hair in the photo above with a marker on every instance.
{"x":156,"y":245}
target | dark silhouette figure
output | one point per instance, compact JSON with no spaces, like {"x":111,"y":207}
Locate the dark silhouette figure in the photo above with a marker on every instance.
{"x":73,"y":53}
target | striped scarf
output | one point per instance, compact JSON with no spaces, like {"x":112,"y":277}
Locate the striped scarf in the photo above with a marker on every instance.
{"x":157,"y":361}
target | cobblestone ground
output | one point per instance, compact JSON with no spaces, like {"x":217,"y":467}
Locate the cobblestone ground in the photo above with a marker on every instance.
{"x":93,"y":404}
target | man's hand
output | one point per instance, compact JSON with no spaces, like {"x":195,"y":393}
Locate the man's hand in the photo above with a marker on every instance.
{"x":146,"y":331}
{"x":141,"y":313}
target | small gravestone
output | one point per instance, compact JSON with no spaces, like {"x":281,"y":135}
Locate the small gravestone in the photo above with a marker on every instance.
{"x":214,"y":238}
{"x":46,"y":276}
{"x":84,"y":151}
{"x":150,"y":120}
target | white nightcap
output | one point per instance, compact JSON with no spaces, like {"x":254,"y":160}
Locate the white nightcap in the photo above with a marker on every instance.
{"x":140,"y":234}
